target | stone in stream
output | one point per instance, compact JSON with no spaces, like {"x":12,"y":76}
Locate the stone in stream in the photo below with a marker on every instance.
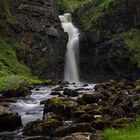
{"x":70,"y":92}
{"x":60,"y":88}
{"x":9,"y":120}
{"x":56,"y":93}
{"x":21,"y":91}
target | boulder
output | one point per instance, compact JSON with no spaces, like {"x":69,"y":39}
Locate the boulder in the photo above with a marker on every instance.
{"x":70,"y":93}
{"x":92,"y":97}
{"x":63,"y":107}
{"x":41,"y":127}
{"x":9,"y":120}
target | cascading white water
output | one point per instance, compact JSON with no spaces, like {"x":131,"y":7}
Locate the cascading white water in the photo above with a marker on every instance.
{"x":72,"y":54}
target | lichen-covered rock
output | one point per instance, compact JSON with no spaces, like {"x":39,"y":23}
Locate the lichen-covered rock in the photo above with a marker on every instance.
{"x":82,"y":136}
{"x":73,"y":128}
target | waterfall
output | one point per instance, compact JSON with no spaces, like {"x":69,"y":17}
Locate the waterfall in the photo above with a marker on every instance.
{"x":72,"y":53}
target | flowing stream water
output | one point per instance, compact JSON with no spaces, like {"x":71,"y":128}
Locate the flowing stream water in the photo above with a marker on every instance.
{"x":72,"y":53}
{"x":30,"y":108}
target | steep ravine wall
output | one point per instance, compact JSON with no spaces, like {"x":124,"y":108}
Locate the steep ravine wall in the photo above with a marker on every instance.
{"x":109,"y":44}
{"x":35,"y":26}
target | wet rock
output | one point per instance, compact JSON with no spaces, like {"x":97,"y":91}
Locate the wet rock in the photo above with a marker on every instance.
{"x":85,"y":85}
{"x":56,"y":93}
{"x":63,"y":107}
{"x":60,"y":88}
{"x":85,"y":118}
{"x":70,"y":93}
{"x":100,"y":124}
{"x":7,"y":100}
{"x":63,"y":83}
{"x":41,"y":127}
{"x":22,"y":91}
{"x":79,"y":89}
{"x":38,"y":138}
{"x":85,"y":109}
{"x":92,"y":98}
{"x":9,"y":120}
{"x":80,"y":127}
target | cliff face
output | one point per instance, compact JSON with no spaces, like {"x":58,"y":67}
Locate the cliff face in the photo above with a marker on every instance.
{"x":110,"y":46}
{"x":34,"y":24}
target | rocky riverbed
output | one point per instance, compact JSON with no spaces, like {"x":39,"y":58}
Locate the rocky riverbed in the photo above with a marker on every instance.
{"x":68,"y":111}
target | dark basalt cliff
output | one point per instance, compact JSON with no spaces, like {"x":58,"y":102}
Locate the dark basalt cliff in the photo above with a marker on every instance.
{"x":34,"y":24}
{"x":109,"y":46}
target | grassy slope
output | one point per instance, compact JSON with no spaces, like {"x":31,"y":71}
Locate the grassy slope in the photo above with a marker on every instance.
{"x":131,"y":132}
{"x":12,"y":72}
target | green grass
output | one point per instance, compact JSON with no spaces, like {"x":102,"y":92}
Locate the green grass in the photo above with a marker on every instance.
{"x":131,"y":132}
{"x":9,"y":63}
{"x":71,"y":5}
{"x":12,"y":82}
{"x":12,"y":72}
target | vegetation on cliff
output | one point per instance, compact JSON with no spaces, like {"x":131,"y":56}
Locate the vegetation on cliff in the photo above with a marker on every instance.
{"x":12,"y":72}
{"x":131,"y":39}
{"x":71,"y":5}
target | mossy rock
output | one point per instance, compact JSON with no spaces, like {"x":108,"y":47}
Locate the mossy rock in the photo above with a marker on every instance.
{"x":92,"y":98}
{"x":63,"y":107}
{"x":41,"y":127}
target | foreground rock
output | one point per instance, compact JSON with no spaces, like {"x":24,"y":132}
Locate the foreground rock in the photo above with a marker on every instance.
{"x":41,"y":127}
{"x":9,"y":120}
{"x":110,"y":104}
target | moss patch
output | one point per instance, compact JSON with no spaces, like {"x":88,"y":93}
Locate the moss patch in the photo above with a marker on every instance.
{"x":131,"y":40}
{"x":12,"y":72}
{"x":130,"y":132}
{"x":7,"y":12}
{"x":9,"y":63}
{"x":71,"y":5}
{"x":93,"y":11}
